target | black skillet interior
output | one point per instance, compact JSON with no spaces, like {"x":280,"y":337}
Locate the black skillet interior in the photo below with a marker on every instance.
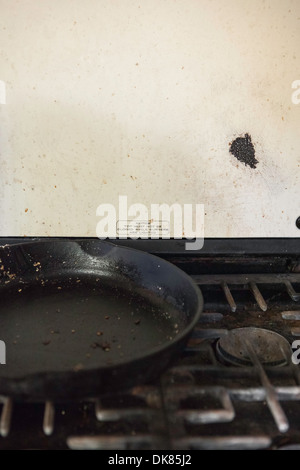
{"x":82,"y":318}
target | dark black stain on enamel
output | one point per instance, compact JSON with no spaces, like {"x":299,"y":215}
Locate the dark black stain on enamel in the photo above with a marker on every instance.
{"x":243,"y":149}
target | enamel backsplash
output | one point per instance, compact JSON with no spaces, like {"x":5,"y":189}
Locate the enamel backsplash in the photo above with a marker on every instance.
{"x":102,"y":98}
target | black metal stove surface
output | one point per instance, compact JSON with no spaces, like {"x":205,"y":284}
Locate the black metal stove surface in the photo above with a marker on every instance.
{"x":202,"y":401}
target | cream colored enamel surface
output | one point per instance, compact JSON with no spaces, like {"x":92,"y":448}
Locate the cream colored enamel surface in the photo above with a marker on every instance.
{"x":141,"y":98}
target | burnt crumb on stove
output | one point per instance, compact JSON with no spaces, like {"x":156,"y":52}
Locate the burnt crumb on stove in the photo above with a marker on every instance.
{"x":243,"y":150}
{"x":46,"y":342}
{"x":137,"y":322}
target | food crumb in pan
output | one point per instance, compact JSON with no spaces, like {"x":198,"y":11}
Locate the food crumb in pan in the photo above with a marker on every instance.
{"x":88,"y":355}
{"x":11,"y":275}
{"x":19,"y":290}
{"x":73,"y":331}
{"x":137,"y":322}
{"x":99,"y":333}
{"x":78,"y":367}
{"x":106,"y":317}
{"x":104,"y":346}
{"x":59,"y":288}
{"x":46,"y":342}
{"x":37,"y":266}
{"x":54,"y":332}
{"x":78,"y":280}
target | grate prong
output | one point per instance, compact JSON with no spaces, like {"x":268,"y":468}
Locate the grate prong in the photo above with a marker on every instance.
{"x":228,"y":296}
{"x":271,"y":394}
{"x":48,"y":421}
{"x":295,"y":296}
{"x":5,"y":419}
{"x":258,"y":296}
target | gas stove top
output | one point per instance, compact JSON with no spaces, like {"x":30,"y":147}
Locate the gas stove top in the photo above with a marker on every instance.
{"x":235,"y":386}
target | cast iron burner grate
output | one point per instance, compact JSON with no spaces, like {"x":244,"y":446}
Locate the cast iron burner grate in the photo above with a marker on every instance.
{"x":202,"y":401}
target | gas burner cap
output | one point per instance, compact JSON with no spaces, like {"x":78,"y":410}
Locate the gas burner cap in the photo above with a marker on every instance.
{"x":270,"y":348}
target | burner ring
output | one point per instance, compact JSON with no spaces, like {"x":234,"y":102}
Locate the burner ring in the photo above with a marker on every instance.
{"x":271,"y":348}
